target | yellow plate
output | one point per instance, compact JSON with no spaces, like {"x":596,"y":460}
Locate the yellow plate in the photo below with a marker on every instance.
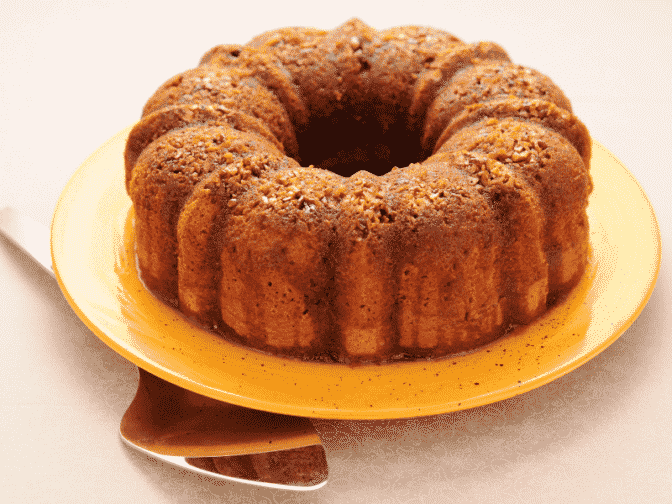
{"x":92,"y":251}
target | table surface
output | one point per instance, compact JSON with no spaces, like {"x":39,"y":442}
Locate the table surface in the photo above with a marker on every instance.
{"x":74,"y":73}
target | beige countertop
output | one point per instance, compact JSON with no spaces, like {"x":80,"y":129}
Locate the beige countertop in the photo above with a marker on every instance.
{"x":74,"y":73}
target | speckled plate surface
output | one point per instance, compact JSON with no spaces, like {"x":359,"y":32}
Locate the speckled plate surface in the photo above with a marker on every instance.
{"x":92,"y":252}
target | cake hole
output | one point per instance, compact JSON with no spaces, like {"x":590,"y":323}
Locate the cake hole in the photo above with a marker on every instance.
{"x":363,"y":136}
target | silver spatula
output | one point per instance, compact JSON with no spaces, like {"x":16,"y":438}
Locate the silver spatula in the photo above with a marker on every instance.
{"x":196,"y":432}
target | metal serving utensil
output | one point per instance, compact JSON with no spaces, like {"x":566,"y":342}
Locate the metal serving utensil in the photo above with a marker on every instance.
{"x":195,"y":432}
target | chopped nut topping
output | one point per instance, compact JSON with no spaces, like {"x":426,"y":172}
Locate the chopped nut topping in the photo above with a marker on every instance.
{"x":523,"y":156}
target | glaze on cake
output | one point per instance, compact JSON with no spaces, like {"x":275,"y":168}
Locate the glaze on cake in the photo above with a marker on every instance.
{"x":270,"y":206}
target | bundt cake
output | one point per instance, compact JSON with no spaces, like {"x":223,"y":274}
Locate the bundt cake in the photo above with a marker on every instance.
{"x":270,"y":206}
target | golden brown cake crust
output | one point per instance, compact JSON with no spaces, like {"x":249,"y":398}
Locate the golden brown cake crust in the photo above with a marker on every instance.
{"x":231,"y":87}
{"x":166,"y":119}
{"x":533,"y":110}
{"x":222,"y":55}
{"x":164,"y":177}
{"x":356,"y":195}
{"x":480,"y":83}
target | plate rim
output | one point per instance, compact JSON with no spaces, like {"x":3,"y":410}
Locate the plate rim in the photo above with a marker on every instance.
{"x":185,"y":379}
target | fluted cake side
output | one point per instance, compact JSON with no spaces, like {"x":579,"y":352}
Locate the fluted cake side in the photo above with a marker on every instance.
{"x":357,"y":195}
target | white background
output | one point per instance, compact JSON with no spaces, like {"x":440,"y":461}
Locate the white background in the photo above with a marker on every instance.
{"x":74,"y":73}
